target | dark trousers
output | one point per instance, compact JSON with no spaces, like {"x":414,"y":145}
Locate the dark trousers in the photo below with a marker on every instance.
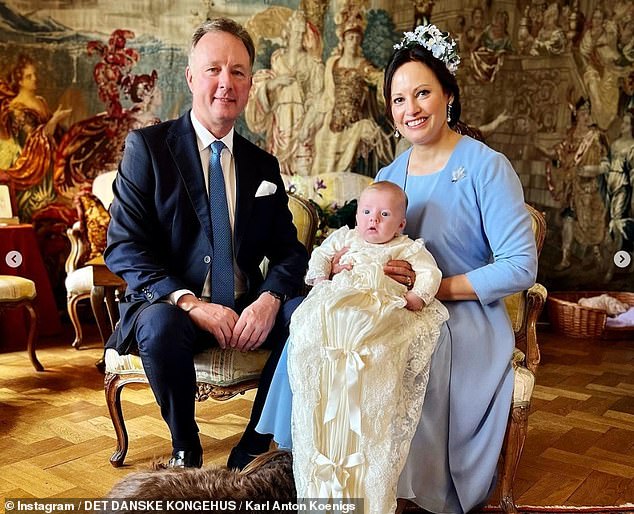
{"x":168,"y":340}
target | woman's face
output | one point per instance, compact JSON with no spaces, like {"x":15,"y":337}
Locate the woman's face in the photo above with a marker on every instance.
{"x":501,"y":19}
{"x":29,"y":78}
{"x":418,"y":103}
{"x":477,"y":18}
{"x":584,"y":119}
{"x":351,"y":40}
{"x":296,"y":35}
{"x":597,"y":18}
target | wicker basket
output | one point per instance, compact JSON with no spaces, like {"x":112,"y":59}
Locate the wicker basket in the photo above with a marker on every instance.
{"x":574,"y":320}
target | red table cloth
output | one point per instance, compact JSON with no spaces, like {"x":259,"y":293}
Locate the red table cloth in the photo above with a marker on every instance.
{"x":22,"y":238}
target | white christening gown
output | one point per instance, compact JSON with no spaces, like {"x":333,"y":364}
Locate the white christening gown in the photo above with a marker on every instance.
{"x":358,"y":366}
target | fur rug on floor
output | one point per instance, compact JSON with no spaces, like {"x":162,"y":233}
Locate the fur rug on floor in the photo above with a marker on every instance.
{"x":269,"y":478}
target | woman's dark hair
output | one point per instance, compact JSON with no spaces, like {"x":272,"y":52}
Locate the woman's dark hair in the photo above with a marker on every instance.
{"x":420,"y":54}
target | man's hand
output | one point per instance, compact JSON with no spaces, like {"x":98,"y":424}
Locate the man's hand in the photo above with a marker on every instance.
{"x":401,"y":271}
{"x":216,"y":319}
{"x":255,"y":323}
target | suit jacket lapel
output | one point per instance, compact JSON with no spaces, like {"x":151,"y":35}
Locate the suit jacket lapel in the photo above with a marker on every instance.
{"x":246,"y":186}
{"x":181,"y":141}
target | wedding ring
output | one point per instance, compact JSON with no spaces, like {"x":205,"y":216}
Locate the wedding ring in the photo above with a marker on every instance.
{"x":409,"y":281}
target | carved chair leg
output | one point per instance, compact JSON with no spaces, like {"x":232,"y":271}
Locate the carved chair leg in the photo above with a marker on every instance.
{"x":113,"y":386}
{"x":71,"y":305}
{"x":513,"y":446}
{"x":30,"y":345}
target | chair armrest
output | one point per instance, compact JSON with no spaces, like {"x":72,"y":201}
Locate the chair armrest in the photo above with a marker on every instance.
{"x":535,"y":301}
{"x":78,"y":247}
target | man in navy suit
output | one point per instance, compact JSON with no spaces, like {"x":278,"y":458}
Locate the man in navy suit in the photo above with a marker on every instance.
{"x":161,"y":241}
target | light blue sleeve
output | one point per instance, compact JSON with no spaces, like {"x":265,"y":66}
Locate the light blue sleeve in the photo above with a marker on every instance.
{"x":507,"y":226}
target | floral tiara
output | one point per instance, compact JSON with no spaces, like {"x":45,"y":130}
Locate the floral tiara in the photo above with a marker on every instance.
{"x":437,"y":42}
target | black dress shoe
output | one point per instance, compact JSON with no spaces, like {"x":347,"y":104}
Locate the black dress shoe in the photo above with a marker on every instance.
{"x":186,"y":459}
{"x":239,"y":458}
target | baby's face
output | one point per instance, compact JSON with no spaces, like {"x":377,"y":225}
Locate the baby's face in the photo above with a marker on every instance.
{"x":380,"y":216}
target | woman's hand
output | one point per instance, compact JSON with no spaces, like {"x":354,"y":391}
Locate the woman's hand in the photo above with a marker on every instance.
{"x":279,"y":81}
{"x":335,"y":266}
{"x":59,"y":115}
{"x":401,"y":271}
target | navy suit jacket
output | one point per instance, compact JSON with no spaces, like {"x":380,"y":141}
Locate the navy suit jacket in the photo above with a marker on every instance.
{"x":160,"y":238}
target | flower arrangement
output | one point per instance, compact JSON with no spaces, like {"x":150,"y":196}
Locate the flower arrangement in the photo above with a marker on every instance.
{"x":332,"y":217}
{"x":439,"y":43}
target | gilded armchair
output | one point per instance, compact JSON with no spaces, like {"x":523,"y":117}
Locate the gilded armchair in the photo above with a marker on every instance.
{"x":88,"y":240}
{"x":524,"y":309}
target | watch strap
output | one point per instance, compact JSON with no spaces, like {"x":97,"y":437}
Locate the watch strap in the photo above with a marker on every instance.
{"x":275,"y":294}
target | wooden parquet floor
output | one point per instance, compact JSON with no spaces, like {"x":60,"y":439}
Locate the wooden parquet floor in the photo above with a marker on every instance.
{"x":56,"y":435}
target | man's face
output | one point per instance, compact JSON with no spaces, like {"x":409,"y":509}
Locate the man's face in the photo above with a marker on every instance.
{"x":219,"y":77}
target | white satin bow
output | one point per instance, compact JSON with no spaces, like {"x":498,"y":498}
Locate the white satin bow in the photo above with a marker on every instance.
{"x":348,"y":364}
{"x":332,"y":477}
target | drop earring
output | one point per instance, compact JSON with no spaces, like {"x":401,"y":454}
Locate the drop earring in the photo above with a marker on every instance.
{"x":397,"y":134}
{"x":449,"y":113}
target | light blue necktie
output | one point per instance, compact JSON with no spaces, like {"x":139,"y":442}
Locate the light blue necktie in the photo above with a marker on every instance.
{"x":222,"y":288}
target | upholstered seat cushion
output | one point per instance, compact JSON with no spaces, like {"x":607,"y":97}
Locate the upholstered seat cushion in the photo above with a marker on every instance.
{"x":15,"y":289}
{"x":79,"y":281}
{"x":516,"y":308}
{"x":214,"y":366}
{"x":524,"y":381}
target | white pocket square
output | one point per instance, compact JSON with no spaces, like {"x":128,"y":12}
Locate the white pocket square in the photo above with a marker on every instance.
{"x":265,"y":188}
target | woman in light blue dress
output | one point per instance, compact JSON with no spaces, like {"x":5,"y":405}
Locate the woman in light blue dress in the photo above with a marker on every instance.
{"x":466,"y":202}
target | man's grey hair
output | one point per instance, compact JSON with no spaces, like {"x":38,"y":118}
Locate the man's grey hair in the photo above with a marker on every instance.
{"x":223,"y":25}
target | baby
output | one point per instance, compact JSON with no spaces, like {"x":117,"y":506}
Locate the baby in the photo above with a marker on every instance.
{"x":378,"y":237}
{"x":358,"y":361}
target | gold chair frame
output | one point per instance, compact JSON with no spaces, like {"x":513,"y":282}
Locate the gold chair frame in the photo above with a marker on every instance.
{"x":525,"y":341}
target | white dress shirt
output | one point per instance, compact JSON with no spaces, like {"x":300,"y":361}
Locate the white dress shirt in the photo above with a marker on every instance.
{"x":204,"y":139}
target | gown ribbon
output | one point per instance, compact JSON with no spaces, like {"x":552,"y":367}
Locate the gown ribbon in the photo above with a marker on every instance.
{"x":332,"y":477}
{"x":348,"y":379}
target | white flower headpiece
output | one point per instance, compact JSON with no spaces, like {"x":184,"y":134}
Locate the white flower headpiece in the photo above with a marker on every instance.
{"x":439,"y":43}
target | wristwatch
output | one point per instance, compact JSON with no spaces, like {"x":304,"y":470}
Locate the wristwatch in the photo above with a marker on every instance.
{"x":275,"y":294}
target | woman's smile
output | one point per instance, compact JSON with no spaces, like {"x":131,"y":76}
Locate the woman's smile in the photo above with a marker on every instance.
{"x":416,"y":123}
